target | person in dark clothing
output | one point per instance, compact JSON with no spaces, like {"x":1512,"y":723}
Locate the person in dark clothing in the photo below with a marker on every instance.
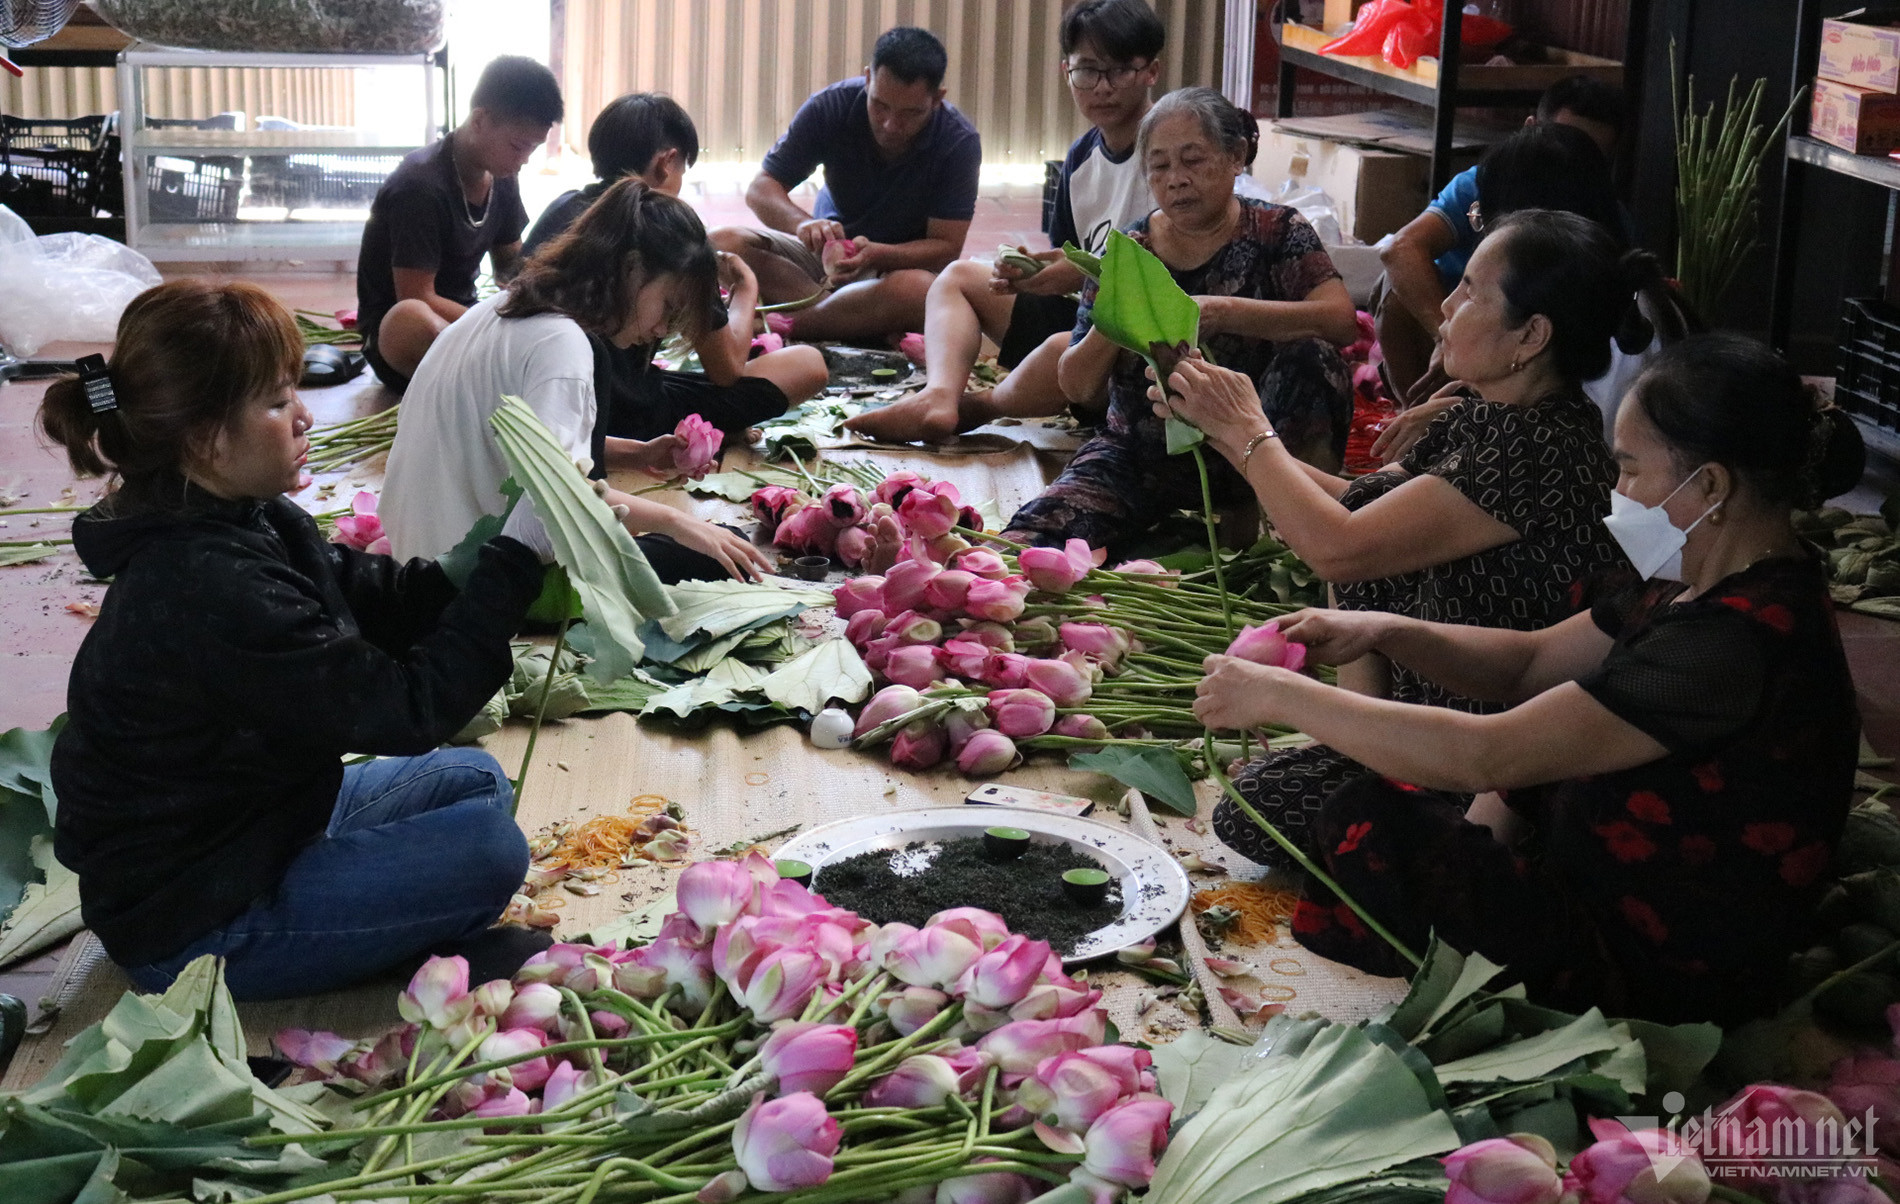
{"x":649,"y":136}
{"x":901,"y":169}
{"x":1685,"y":749}
{"x":445,"y":207}
{"x":237,"y":658}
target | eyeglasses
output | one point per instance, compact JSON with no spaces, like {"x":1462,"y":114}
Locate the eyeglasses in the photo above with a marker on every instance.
{"x":1475,"y":216}
{"x":1084,"y":78}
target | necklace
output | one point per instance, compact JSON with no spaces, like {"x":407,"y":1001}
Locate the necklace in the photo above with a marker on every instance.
{"x":461,"y":190}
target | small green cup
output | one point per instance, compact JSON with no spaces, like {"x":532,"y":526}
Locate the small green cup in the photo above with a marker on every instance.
{"x":1005,"y":844}
{"x":1085,"y":887}
{"x":797,"y":871}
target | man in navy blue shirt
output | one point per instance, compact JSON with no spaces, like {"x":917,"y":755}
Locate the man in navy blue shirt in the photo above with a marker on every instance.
{"x":900,"y":189}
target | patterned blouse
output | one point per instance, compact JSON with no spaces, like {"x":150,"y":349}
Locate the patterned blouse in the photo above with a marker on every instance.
{"x":1540,"y":469}
{"x":1274,"y":255}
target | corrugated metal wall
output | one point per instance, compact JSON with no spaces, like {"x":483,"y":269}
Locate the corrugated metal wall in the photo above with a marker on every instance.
{"x":742,"y":67}
{"x":313,"y":96}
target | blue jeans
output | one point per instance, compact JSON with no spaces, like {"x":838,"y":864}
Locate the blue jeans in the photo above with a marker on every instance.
{"x":420,"y":852}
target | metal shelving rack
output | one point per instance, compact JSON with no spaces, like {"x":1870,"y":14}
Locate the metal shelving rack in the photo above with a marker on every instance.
{"x":221,"y":238}
{"x":1451,"y":90}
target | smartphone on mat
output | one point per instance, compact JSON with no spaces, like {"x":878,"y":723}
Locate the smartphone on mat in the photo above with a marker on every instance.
{"x":996,"y":794}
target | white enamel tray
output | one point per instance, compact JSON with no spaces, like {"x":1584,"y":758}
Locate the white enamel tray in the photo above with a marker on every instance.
{"x":1154,"y":887}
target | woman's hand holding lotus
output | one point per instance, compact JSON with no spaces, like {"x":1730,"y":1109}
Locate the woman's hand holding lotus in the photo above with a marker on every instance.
{"x":1220,"y":401}
{"x":1336,"y":637}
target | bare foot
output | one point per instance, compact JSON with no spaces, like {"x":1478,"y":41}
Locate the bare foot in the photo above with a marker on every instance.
{"x":887,"y":543}
{"x":926,"y":416}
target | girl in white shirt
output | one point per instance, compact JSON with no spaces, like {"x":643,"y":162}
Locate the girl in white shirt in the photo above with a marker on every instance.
{"x":635,"y":267}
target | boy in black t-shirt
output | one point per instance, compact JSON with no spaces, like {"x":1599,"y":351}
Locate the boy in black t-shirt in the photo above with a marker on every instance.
{"x":649,"y":136}
{"x":445,"y":207}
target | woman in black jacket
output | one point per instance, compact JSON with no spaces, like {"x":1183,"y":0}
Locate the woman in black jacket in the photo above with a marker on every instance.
{"x":237,"y":658}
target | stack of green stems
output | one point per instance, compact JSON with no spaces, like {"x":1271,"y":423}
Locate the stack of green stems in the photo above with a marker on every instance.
{"x":655,"y":1124}
{"x":336,"y":447}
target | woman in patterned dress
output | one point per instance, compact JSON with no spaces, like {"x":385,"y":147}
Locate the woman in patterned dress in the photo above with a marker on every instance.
{"x":1684,"y":750}
{"x":1272,"y":306}
{"x":1493,"y":518}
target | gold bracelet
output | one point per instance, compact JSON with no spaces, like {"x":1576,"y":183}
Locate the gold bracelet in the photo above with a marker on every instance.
{"x":1253,"y":445}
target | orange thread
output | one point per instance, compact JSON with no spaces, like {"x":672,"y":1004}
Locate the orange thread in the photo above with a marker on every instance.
{"x":1260,"y":909}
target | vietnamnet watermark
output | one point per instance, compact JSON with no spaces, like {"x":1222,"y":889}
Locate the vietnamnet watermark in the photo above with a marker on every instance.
{"x":1731,"y":1145}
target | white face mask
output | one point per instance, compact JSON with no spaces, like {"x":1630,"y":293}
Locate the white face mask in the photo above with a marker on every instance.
{"x":1647,"y":537}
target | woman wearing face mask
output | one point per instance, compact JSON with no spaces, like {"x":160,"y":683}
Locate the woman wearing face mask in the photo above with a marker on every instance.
{"x":634,"y":267}
{"x":1685,"y":750}
{"x":203,"y":799}
{"x":1272,"y":306}
{"x":1493,"y":519}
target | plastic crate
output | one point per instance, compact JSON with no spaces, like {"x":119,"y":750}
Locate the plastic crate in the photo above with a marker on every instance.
{"x":195,"y":188}
{"x":58,"y":168}
{"x":1868,"y":380}
{"x":319,"y":181}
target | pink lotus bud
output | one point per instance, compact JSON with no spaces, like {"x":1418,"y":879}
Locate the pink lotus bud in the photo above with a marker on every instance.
{"x":318,"y":1051}
{"x":948,"y":589}
{"x":987,"y":752}
{"x":564,"y":1083}
{"x":773,"y":503}
{"x":1122,"y":1143}
{"x":782,"y":984}
{"x":1521,"y":1169}
{"x":865,"y":626}
{"x":1264,"y":645}
{"x":919,"y":1081}
{"x":513,"y":1042}
{"x":998,"y":601}
{"x":786,"y":1143}
{"x":1006,"y":671}
{"x":905,"y":583}
{"x":930,"y":510}
{"x":712,"y":893}
{"x":1004,"y":975}
{"x":1070,"y":1091}
{"x":1772,"y":1108}
{"x":810,"y":532}
{"x":1081,"y":727}
{"x":1057,"y":570}
{"x":893,"y":488}
{"x":1020,"y":1046}
{"x":1061,"y":681}
{"x":438,"y":994}
{"x":535,"y":1004}
{"x":913,"y":1007}
{"x":1088,"y":667}
{"x":1097,"y":640}
{"x":1035,"y":634}
{"x":1019,"y":714}
{"x":361,"y":529}
{"x":1622,"y":1167}
{"x":971,"y":517}
{"x":885,"y":705}
{"x":493,"y":998}
{"x":854,"y":545}
{"x":964,"y":659}
{"x":981,"y":562}
{"x":959,"y":726}
{"x":514,"y":1103}
{"x":1148,"y":570}
{"x":685,"y":966}
{"x":1867,"y":1082}
{"x":698,"y":446}
{"x":809,"y":1057}
{"x":919,"y":746}
{"x":986,"y":928}
{"x":910,"y":627}
{"x":913,"y":665}
{"x":845,"y":506}
{"x":999,"y":1187}
{"x":1128,"y":1064}
{"x":858,"y":593}
{"x":933,"y":956}
{"x":1046,"y":1001}
{"x":877,"y":653}
{"x":994,"y":636}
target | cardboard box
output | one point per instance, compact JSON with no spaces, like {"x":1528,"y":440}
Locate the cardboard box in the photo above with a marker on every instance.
{"x":1375,"y":166}
{"x":1854,"y":119}
{"x":1861,"y":56}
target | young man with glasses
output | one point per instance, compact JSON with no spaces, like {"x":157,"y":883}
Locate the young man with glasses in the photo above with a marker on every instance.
{"x":1111,"y":58}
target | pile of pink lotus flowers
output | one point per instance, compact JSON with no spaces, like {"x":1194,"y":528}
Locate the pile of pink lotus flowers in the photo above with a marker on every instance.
{"x":990,"y":653}
{"x":763,"y":1042}
{"x":866,"y":531}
